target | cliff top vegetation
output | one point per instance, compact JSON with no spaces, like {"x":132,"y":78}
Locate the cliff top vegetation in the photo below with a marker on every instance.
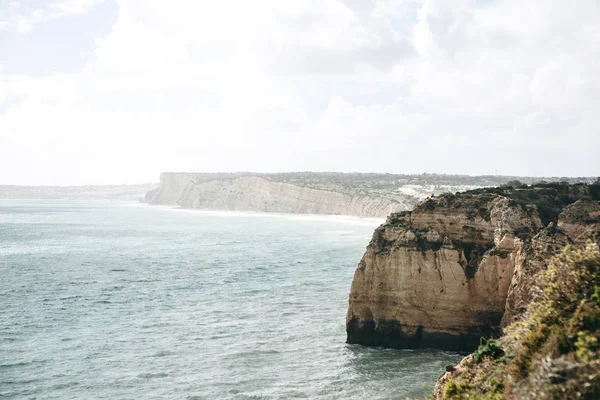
{"x":553,"y":351}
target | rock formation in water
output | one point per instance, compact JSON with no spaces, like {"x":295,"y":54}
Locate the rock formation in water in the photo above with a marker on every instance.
{"x":457,"y":267}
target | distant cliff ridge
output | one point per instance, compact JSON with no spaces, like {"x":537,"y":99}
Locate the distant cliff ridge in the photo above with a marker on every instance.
{"x":354,"y":194}
{"x":253,"y":193}
{"x":459,"y":266}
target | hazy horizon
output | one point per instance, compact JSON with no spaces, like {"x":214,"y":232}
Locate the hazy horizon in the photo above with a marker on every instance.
{"x":118,"y":91}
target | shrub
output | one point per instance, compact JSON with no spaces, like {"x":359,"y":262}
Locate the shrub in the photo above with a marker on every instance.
{"x":554,"y":350}
{"x":487,"y":348}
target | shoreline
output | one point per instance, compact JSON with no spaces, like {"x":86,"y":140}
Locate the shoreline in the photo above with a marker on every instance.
{"x":236,"y":213}
{"x":225,"y":213}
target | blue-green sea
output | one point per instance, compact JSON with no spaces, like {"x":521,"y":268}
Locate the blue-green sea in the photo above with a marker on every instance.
{"x":105,"y":300}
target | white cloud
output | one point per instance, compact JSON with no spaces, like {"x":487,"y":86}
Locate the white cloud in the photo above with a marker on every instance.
{"x":390,"y":85}
{"x":23,"y":15}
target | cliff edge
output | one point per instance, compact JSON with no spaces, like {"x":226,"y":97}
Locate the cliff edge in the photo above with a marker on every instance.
{"x":458,"y":267}
{"x":333,"y":193}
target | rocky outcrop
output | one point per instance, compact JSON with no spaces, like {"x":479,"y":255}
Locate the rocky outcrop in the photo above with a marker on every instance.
{"x":256,"y":193}
{"x":457,"y":267}
{"x":576,"y":223}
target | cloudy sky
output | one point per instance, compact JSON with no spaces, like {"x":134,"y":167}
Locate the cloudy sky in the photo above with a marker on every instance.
{"x":117,"y":91}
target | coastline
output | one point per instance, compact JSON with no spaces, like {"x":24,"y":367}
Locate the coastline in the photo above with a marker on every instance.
{"x":305,"y":217}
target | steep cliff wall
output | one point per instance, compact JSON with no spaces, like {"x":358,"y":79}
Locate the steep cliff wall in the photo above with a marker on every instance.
{"x":254,"y":193}
{"x":449,"y":271}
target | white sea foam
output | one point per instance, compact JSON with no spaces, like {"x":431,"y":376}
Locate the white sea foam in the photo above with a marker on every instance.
{"x":348,"y":219}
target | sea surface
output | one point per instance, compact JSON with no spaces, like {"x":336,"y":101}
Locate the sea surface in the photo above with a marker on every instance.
{"x":102,"y":300}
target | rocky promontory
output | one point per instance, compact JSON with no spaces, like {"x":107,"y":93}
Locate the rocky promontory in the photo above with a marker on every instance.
{"x":460,"y":266}
{"x":239,"y":192}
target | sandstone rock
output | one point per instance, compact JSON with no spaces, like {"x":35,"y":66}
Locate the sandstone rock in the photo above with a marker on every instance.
{"x":446,"y":273}
{"x":577,"y":223}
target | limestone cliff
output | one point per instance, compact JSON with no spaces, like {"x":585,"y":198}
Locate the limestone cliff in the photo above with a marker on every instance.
{"x":457,"y":266}
{"x":259,"y":193}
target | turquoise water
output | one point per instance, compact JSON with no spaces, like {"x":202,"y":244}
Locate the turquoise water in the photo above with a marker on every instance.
{"x":123,"y":301}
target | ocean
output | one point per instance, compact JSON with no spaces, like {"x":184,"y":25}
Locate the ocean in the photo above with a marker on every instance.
{"x":108,"y":300}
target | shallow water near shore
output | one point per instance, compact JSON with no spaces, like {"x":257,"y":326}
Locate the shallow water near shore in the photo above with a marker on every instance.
{"x":119,"y":301}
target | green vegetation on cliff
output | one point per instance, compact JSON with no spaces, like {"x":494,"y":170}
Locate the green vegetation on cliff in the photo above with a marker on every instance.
{"x":553,"y":351}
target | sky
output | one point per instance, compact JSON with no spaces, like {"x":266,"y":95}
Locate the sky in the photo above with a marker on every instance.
{"x":118,"y":91}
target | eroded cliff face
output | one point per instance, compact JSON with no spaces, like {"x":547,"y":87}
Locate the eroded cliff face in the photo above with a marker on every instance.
{"x":577,"y":223}
{"x":457,"y":266}
{"x":250,"y":193}
{"x":551,"y":351}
